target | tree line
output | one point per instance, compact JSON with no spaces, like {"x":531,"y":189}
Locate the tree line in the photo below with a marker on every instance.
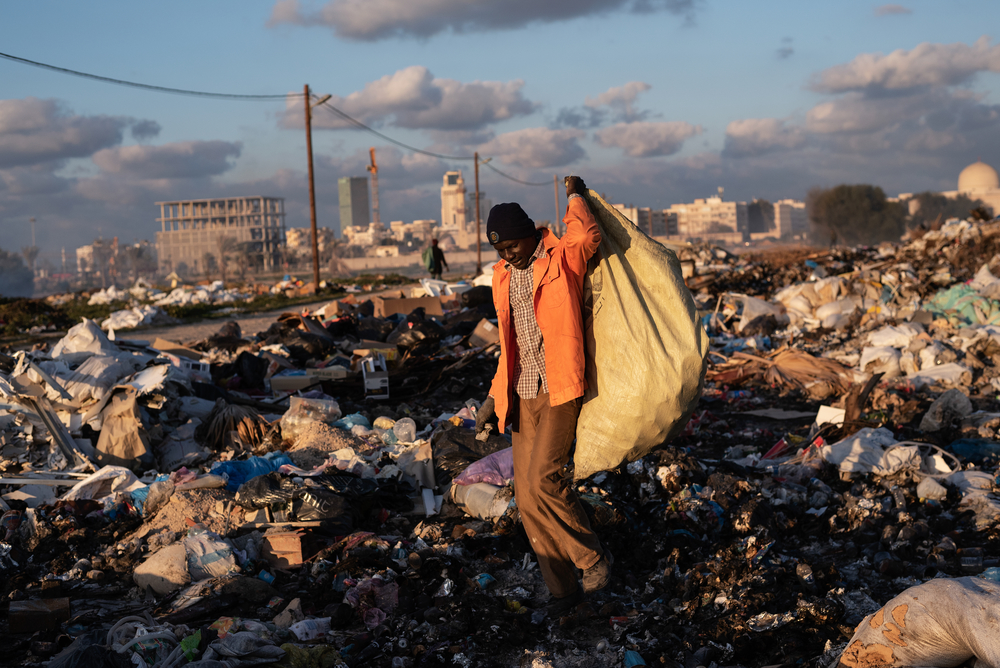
{"x":855,"y":215}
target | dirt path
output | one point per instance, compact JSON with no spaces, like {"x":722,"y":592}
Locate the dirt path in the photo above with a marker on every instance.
{"x":250,"y":323}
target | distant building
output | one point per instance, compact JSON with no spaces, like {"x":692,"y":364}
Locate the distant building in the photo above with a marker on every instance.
{"x":712,"y":219}
{"x":654,"y":222}
{"x":299,"y":239}
{"x":371,"y":234}
{"x":419,"y":231}
{"x":977,"y":181}
{"x":85,"y":259}
{"x":191,"y":228}
{"x":455,"y":223}
{"x":354,"y":207}
{"x":790,"y":218}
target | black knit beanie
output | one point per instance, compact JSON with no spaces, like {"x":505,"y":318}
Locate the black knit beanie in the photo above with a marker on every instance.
{"x":508,"y":221}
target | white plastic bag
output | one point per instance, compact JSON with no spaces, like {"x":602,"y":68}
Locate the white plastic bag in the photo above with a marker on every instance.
{"x":646,"y":347}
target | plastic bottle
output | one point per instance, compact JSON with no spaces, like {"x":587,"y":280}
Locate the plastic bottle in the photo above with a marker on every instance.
{"x":311,"y":629}
{"x":406,"y":430}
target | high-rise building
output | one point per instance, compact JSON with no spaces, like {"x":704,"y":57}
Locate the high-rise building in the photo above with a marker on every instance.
{"x":354,"y":208}
{"x":191,"y":228}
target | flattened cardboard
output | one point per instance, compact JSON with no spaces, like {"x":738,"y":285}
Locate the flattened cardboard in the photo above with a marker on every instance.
{"x":385,"y":307}
{"x":123,"y":440}
{"x":484,"y":334}
{"x":165,"y":346}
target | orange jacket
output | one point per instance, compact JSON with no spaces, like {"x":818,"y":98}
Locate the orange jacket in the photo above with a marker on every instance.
{"x":558,"y":310}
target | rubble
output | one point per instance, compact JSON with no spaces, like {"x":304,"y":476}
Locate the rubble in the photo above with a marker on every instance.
{"x":250,"y":498}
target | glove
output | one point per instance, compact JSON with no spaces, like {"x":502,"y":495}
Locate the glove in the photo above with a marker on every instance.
{"x":485,"y":413}
{"x":575,"y":186}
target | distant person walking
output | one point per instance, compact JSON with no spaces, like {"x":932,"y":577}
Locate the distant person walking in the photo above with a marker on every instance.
{"x":434,"y":260}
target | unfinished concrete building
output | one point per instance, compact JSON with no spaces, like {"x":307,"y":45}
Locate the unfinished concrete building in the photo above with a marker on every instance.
{"x":192,"y":229}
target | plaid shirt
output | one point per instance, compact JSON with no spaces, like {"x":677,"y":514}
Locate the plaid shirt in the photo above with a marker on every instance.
{"x":529,"y":364}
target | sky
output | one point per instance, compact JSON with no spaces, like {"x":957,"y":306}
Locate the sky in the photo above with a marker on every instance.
{"x":652,"y":102}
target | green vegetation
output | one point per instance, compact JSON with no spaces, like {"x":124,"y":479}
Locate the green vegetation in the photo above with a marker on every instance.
{"x":16,"y":280}
{"x":935,"y":208}
{"x":855,"y":215}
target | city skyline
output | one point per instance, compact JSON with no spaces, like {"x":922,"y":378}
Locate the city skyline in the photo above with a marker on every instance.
{"x":653,"y":103}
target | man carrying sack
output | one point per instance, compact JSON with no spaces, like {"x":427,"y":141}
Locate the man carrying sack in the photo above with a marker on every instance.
{"x":539,"y":385}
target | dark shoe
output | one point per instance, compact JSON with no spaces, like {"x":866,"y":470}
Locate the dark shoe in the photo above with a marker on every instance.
{"x":559,"y":607}
{"x":598,"y":576}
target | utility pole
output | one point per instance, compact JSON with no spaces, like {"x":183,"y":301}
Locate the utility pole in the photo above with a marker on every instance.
{"x":479,"y":241}
{"x":32,"y":220}
{"x":557,"y":221}
{"x":373,"y":168}
{"x":312,"y":190}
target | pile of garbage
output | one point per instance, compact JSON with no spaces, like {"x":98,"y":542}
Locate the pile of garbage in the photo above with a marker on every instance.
{"x":315,"y":495}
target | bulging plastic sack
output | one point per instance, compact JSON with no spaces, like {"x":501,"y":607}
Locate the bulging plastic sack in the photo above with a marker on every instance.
{"x":646,"y":347}
{"x":881,"y":359}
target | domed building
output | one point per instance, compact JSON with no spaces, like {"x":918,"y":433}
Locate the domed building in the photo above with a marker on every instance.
{"x":979,"y":181}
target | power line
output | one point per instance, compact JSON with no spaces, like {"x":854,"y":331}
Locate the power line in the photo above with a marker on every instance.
{"x":508,"y":176}
{"x":232,"y":96}
{"x":332,"y":109}
{"x":329,"y":107}
{"x":134,"y":84}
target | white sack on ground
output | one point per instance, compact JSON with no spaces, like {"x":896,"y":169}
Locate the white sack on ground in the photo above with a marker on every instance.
{"x":646,"y":347}
{"x":870,"y":451}
{"x":939,"y":623}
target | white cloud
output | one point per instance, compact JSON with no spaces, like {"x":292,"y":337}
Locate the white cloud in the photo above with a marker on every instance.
{"x":34,"y":131}
{"x":926,"y":64}
{"x":414,"y":98}
{"x":621,"y":99}
{"x":536,"y":147}
{"x":754,"y":136}
{"x":180,"y":160}
{"x":892,"y":10}
{"x":647,"y":139}
{"x":382,"y":19}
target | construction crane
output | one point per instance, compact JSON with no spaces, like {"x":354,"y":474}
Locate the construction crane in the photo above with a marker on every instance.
{"x":373,"y":168}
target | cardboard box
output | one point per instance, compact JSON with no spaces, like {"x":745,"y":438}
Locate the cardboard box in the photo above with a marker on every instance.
{"x":29,"y":616}
{"x":329,"y":373}
{"x":165,"y":346}
{"x":376,"y":377}
{"x":484,"y":334}
{"x":365,"y":348}
{"x":282,"y":384}
{"x":385,"y":307}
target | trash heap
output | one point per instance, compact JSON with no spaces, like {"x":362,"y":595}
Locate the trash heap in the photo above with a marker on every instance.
{"x":314,"y":494}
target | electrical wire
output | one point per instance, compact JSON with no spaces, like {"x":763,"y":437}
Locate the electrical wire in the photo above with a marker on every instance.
{"x":283,"y":96}
{"x":134,"y":84}
{"x":508,"y":176}
{"x":332,"y":109}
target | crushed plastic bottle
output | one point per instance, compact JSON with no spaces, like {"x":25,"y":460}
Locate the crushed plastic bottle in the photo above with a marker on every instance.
{"x":405,"y":430}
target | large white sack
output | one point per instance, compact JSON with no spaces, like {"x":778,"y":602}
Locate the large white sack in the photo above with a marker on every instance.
{"x":646,"y":347}
{"x":941,"y":622}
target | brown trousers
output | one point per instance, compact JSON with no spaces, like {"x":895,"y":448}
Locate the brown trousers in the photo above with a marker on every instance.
{"x":553,"y":518}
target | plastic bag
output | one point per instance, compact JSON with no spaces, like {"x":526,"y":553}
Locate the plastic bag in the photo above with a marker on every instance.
{"x":646,"y":347}
{"x":301,"y":412}
{"x":496,"y":469}
{"x":238,"y":472}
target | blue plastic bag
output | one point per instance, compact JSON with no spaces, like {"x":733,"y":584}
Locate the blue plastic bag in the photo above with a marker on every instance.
{"x":238,"y":472}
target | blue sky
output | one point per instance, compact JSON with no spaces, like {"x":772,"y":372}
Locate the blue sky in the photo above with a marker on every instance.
{"x":651,"y":101}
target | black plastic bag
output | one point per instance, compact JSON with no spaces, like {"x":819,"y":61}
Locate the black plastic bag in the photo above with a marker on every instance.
{"x":267,"y":490}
